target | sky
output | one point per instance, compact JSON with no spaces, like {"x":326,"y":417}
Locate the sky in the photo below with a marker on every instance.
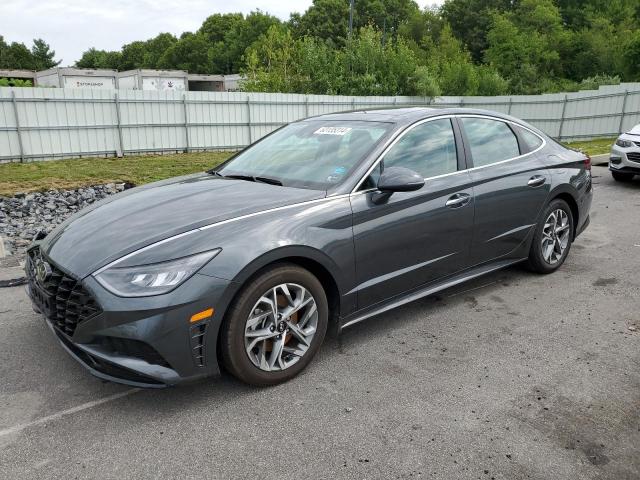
{"x":72,"y":26}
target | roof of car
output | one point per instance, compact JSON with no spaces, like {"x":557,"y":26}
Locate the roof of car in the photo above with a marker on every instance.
{"x":403,"y":115}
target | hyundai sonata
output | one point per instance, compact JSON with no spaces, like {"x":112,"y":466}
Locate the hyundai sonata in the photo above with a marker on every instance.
{"x":321,"y":224}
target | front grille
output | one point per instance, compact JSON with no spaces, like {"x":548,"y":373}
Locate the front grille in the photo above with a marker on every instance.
{"x":62,"y":298}
{"x":637,"y":143}
{"x":634,"y":156}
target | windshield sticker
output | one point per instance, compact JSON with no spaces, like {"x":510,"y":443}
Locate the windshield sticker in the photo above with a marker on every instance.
{"x":332,"y":131}
{"x":340,"y":171}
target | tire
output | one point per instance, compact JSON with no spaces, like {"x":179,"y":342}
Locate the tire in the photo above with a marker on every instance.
{"x":539,"y":259}
{"x":622,"y":177}
{"x":251,"y":319}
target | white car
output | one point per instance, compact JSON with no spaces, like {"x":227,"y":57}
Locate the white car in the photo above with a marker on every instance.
{"x":624,"y":161}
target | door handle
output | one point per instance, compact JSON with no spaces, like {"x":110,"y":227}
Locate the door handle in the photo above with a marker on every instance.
{"x":536,"y":181}
{"x":458,"y":200}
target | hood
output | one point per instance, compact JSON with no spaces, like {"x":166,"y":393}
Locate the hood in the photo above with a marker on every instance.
{"x":138,"y":217}
{"x":634,"y":131}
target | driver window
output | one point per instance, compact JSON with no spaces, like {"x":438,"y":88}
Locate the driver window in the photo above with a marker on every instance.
{"x":428,"y":149}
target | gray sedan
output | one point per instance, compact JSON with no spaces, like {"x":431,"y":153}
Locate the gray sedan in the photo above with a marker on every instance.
{"x":319,"y":225}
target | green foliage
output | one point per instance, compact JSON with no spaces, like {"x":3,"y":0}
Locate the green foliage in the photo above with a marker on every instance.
{"x":425,"y":83}
{"x":43,"y":56}
{"x":16,"y":56}
{"x":15,"y":82}
{"x":632,"y":56}
{"x":189,"y":53}
{"x":464,"y":47}
{"x":93,"y":58}
{"x":471,"y":20}
{"x":524,"y":45}
{"x":593,"y":83}
{"x":373,"y":67}
{"x":218,"y":46}
{"x":229,"y":35}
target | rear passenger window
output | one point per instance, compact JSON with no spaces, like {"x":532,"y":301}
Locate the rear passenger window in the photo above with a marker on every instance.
{"x":490,"y":140}
{"x":428,"y":149}
{"x":530,"y":139}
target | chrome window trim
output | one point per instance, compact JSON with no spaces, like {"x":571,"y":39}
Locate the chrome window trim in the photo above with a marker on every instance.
{"x":488,"y":117}
{"x":440,"y":117}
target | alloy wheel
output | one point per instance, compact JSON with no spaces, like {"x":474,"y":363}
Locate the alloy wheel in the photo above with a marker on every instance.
{"x":281,"y":327}
{"x":555,"y":236}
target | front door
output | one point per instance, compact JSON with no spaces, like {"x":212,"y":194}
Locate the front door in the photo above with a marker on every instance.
{"x":413,"y":238}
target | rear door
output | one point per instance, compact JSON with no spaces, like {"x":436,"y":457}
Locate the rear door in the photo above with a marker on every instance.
{"x":412,"y":238}
{"x":511,"y":184}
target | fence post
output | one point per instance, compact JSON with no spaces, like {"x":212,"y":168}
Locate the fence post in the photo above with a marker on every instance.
{"x":249,"y":119}
{"x":185,"y":108}
{"x":120,"y":147}
{"x":564,"y":109}
{"x":306,"y":106}
{"x":510,"y":105}
{"x":624,"y":109}
{"x":18,"y":129}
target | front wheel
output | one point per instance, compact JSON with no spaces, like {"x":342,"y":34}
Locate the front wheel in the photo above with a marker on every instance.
{"x":622,"y":176}
{"x":552,"y":239}
{"x":275,"y":326}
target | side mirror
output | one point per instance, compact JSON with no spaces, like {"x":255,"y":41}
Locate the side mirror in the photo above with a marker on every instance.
{"x":399,"y":179}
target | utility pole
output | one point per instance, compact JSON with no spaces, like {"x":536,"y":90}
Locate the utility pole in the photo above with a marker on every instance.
{"x":350,"y":17}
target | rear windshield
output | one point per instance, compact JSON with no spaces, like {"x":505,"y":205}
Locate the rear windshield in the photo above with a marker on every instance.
{"x":313,"y":154}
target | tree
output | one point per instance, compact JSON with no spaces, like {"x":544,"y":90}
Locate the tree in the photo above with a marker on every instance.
{"x":43,"y":56}
{"x":524,"y":45}
{"x":632,"y":57}
{"x":372,"y":67}
{"x":272,"y":61}
{"x":93,"y":58}
{"x":15,"y":56}
{"x":471,"y":20}
{"x":189,"y":54}
{"x":155,"y":48}
{"x":327,"y":20}
{"x":229,"y":36}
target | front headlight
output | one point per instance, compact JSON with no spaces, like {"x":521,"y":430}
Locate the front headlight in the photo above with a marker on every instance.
{"x":152,"y":279}
{"x":624,"y":143}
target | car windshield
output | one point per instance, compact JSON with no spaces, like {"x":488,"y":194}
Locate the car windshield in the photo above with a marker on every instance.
{"x":316,"y":154}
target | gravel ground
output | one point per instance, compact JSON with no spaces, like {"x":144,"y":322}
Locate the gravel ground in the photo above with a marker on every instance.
{"x":26,"y":214}
{"x":512,"y":376}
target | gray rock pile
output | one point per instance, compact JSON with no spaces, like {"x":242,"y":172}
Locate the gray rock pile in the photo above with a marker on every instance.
{"x":25,"y":214}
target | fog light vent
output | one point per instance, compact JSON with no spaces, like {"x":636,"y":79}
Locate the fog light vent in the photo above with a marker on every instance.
{"x":197,"y":344}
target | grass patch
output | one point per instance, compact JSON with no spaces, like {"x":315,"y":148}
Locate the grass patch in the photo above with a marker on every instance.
{"x":599,"y":146}
{"x":76,"y":173}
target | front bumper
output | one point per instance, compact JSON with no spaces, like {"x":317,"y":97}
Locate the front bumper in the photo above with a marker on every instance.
{"x":143,"y":342}
{"x":625,"y":160}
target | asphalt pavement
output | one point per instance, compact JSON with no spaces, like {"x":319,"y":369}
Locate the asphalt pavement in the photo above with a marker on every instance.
{"x":511,"y":376}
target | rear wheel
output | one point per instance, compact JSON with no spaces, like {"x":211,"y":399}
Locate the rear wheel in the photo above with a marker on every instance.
{"x":622,"y":176}
{"x":552,"y":239}
{"x":275,"y":326}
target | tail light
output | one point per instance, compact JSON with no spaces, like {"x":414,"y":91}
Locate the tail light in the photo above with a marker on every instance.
{"x":587,"y":162}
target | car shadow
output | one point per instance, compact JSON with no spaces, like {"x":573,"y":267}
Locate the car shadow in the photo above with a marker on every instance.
{"x":226,"y":388}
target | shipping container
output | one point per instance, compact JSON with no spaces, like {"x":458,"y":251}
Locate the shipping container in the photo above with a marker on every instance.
{"x":206,"y":83}
{"x":157,"y":80}
{"x":68,"y":77}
